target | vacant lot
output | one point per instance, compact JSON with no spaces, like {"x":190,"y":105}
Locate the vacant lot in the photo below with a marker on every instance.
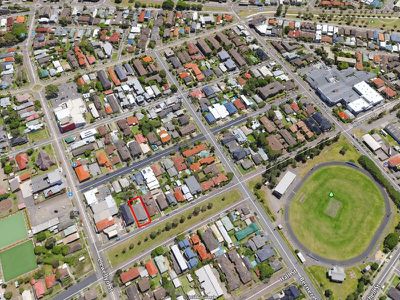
{"x":13,"y":229}
{"x":336,"y":212}
{"x":142,"y":241}
{"x":18,"y":260}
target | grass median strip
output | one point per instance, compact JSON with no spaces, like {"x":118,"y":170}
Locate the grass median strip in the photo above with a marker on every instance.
{"x":170,"y":228}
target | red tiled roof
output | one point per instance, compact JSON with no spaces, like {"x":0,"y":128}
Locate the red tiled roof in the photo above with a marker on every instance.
{"x":194,"y":150}
{"x":389,"y":92}
{"x":151,"y":268}
{"x":129,"y":275}
{"x":82,"y":173}
{"x":179,"y":163}
{"x":238,"y":104}
{"x":207,"y":185}
{"x":105,"y":223}
{"x":178,"y":194}
{"x":22,"y":160}
{"x":202,"y":252}
{"x":195,"y":239}
{"x":220,"y":178}
{"x":207,"y":160}
{"x":378,"y":82}
{"x":195,"y":166}
{"x":394,"y":161}
{"x":50,"y":280}
{"x":132,"y":120}
{"x":39,"y":288}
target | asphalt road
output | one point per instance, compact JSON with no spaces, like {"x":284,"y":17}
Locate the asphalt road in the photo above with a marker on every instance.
{"x":84,"y":187}
{"x":76,"y":288}
{"x":359,"y":258}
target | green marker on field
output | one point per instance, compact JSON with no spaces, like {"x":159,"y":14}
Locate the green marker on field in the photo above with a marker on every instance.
{"x":331,"y":194}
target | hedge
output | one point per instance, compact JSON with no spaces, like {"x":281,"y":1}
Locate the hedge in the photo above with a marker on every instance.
{"x":376,"y":173}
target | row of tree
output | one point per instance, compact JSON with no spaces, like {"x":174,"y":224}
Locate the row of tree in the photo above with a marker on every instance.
{"x":375,"y":172}
{"x":181,"y":5}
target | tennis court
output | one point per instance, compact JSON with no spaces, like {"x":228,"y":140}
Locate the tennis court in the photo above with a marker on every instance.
{"x":13,"y":229}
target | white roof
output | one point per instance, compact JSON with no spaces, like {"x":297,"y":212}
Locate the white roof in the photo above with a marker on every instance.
{"x":216,"y":233}
{"x":179,"y":258}
{"x":368,"y":93}
{"x":90,"y":196}
{"x":285,"y":182}
{"x":371,"y":142}
{"x":218,"y":111}
{"x":27,"y":295}
{"x":88,"y":133}
{"x":46,"y":225}
{"x":209,"y":283}
{"x":224,"y":233}
{"x":358,"y":105}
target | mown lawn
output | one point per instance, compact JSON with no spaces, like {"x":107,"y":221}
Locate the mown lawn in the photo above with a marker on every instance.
{"x":18,"y":260}
{"x":338,"y":226}
{"x":142,"y":241}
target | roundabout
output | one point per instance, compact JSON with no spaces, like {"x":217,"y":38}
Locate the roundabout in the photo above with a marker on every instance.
{"x":337,"y":213}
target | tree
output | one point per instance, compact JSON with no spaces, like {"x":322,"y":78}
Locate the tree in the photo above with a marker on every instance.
{"x":375,"y":266}
{"x":87,"y":153}
{"x":39,"y":250}
{"x":8,"y":169}
{"x":391,"y":240}
{"x":174,"y":89}
{"x":343,"y":65}
{"x":50,"y":242}
{"x":168,"y":5}
{"x":158,"y":251}
{"x":8,"y":295}
{"x":41,"y":236}
{"x":278,"y":11}
{"x":51,"y":91}
{"x":266,"y":270}
{"x":328,"y":293}
{"x":196,"y":211}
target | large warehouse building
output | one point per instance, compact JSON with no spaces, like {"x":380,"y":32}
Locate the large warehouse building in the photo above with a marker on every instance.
{"x":284,"y":184}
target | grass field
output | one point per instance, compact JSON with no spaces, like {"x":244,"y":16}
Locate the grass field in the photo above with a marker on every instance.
{"x":338,"y":226}
{"x":340,"y":290}
{"x":18,"y":260}
{"x":122,"y":252}
{"x":13,"y":229}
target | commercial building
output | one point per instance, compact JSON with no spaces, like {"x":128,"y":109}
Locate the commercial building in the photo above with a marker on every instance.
{"x":371,"y":142}
{"x":71,"y":114}
{"x":284,"y":184}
